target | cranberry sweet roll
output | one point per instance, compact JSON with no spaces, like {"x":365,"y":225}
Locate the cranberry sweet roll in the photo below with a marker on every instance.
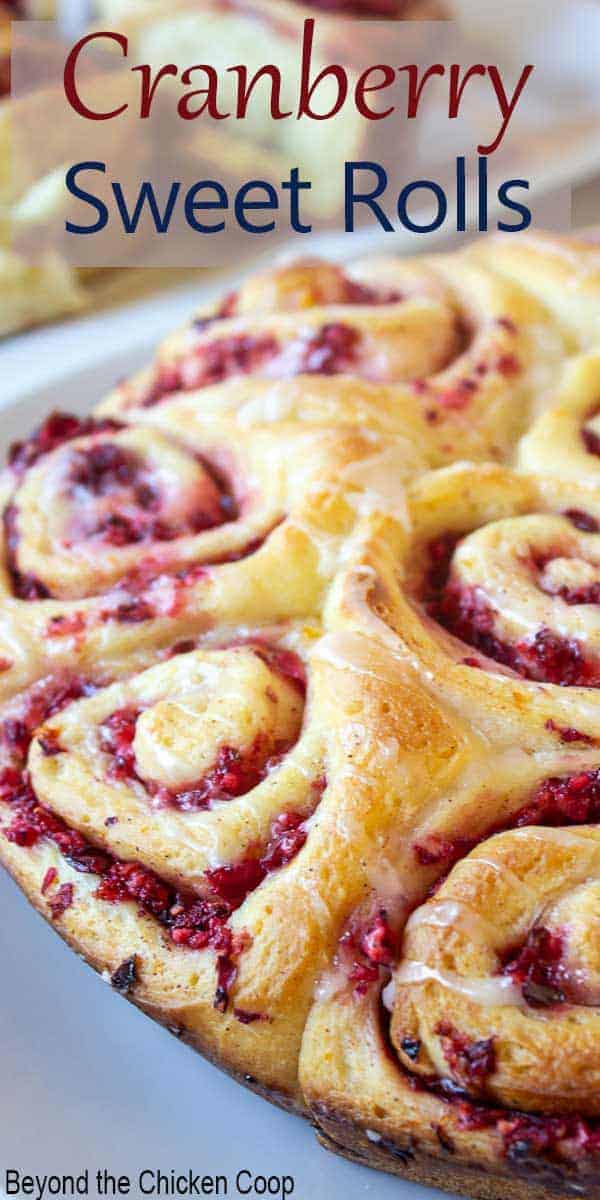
{"x":119,"y":539}
{"x":445,"y":350}
{"x":459,"y":1017}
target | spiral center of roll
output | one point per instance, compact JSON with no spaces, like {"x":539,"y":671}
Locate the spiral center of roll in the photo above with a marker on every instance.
{"x":524,"y":591}
{"x":254,"y":715}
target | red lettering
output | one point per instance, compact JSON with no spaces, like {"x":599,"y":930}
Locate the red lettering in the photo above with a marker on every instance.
{"x":307,"y":89}
{"x":70,"y":83}
{"x":457,"y":88}
{"x":363,"y":86}
{"x":506,"y":108}
{"x":149,"y":85}
{"x":415,"y":89}
{"x":245,"y":90}
{"x":211,"y":92}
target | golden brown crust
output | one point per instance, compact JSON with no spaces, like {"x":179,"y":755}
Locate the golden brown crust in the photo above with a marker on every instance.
{"x":375,"y":901}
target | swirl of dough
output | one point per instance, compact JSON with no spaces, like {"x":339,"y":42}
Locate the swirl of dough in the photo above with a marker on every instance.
{"x":443,"y":343}
{"x":525,"y":592}
{"x":565,"y":440}
{"x":79,"y":516}
{"x":119,"y":539}
{"x":489,"y":998}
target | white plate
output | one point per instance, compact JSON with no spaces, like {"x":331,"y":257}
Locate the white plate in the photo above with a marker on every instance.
{"x":86,"y":1080}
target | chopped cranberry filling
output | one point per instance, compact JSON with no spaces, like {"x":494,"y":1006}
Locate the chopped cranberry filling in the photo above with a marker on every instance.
{"x":61,"y":901}
{"x":248,"y":1018}
{"x":573,"y":800}
{"x":227,"y":308}
{"x":136,"y":607}
{"x":330,"y":351}
{"x":568,"y":734}
{"x":582,"y":520}
{"x":361,"y":293}
{"x":233,"y":883}
{"x":4,"y":75}
{"x":560,"y":1139}
{"x":42,"y":703}
{"x":587,"y":594}
{"x":211,"y":363}
{"x":25,"y":587}
{"x":285,"y":662}
{"x":467,"y":614}
{"x":116,"y":738}
{"x":102,"y":467}
{"x":436,"y":849}
{"x":235,"y":771}
{"x":56,"y":429}
{"x":367,"y":949}
{"x":591,"y":441}
{"x":471,"y":1062}
{"x":66,"y":624}
{"x":459,"y":396}
{"x":192,"y":921}
{"x":130,"y":612}
{"x":527,"y":1136}
{"x":538,"y":968}
{"x":546,"y":657}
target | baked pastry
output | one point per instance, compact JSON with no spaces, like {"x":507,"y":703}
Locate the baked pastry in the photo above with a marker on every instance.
{"x":36,"y":282}
{"x":264,"y":631}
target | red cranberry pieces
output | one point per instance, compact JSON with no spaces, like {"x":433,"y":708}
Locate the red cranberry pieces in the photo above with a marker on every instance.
{"x":568,"y":734}
{"x":211,"y":363}
{"x":538,"y":968}
{"x":49,"y":878}
{"x":436,"y":849}
{"x":57,"y":428}
{"x":591,"y":441}
{"x":546,"y":657}
{"x":573,"y":800}
{"x":285,"y":662}
{"x":61,"y":901}
{"x":330,"y":351}
{"x":116,"y":738}
{"x":25,"y":586}
{"x":102,"y":467}
{"x":131,"y":612}
{"x":370,"y":947}
{"x":132,"y":881}
{"x":234,"y":882}
{"x":582,"y":520}
{"x":553,"y":659}
{"x":377,"y":941}
{"x":66,"y":624}
{"x":471,"y":1062}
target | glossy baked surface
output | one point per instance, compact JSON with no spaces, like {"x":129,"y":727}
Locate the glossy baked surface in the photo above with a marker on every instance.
{"x":300,"y":724}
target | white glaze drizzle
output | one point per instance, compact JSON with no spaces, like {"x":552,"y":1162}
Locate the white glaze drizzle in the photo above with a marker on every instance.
{"x":499,"y":991}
